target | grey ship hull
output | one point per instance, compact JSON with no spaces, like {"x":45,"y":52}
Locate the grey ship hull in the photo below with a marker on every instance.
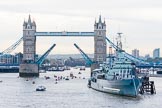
{"x":126,"y":87}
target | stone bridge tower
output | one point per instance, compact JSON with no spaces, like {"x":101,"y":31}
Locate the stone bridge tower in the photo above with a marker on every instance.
{"x":100,"y":45}
{"x":29,"y":68}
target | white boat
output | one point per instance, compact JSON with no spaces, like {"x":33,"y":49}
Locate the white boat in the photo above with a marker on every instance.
{"x":56,"y":69}
{"x":40,"y":88}
{"x":82,"y":68}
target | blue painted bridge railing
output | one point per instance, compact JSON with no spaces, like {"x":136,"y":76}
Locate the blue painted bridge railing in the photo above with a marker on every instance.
{"x":64,"y":33}
{"x":149,"y":66}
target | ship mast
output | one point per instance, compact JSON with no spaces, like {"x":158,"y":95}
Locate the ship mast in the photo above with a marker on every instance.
{"x":119,"y":42}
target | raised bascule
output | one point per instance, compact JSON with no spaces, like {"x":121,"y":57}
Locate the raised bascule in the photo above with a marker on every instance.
{"x":29,"y":66}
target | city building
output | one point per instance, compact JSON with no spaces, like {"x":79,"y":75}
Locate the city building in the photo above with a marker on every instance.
{"x":147,"y":56}
{"x":156,"y":53}
{"x":135,"y":53}
{"x":11,"y":59}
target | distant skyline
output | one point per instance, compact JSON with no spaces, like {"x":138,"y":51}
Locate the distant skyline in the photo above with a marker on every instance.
{"x":140,"y":21}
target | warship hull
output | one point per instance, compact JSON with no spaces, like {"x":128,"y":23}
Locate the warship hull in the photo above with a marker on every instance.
{"x":125,"y":87}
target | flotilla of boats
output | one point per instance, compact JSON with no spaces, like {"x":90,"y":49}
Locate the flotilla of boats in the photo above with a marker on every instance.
{"x":56,"y":69}
{"x":62,"y":68}
{"x":59,"y":68}
{"x":82,"y":68}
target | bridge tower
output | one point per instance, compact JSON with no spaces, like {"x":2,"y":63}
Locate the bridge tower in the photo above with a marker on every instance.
{"x":100,"y":46}
{"x":29,"y":68}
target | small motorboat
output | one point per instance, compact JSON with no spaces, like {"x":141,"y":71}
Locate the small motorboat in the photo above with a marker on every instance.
{"x":66,"y":78}
{"x":33,"y":82}
{"x":47,"y":77}
{"x":159,"y":72}
{"x":40,"y":88}
{"x":82,"y":68}
{"x":79,"y":73}
{"x":71,"y":75}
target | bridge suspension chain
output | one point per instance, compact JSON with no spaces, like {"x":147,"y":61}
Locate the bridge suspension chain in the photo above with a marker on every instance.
{"x":12,"y":47}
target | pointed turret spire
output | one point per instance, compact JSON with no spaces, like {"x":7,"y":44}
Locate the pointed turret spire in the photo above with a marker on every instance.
{"x":29,"y":19}
{"x":24,"y":24}
{"x":95,"y":22}
{"x":100,"y":19}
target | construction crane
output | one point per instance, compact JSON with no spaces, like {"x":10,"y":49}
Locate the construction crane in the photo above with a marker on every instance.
{"x":42,"y":58}
{"x":12,"y":47}
{"x":87,"y":59}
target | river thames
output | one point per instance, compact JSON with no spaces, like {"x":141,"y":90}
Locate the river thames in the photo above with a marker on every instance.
{"x":18,"y":92}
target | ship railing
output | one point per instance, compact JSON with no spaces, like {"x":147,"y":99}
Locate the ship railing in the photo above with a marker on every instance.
{"x":125,"y":75}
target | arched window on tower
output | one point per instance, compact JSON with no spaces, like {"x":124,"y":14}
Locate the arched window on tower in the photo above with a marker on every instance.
{"x":28,"y":27}
{"x":28,"y":50}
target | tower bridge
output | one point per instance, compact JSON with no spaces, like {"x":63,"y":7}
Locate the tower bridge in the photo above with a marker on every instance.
{"x":29,"y":66}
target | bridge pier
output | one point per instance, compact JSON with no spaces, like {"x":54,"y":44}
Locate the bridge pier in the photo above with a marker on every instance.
{"x":29,"y":70}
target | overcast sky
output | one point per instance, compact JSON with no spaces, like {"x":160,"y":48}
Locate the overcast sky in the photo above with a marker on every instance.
{"x":140,"y":21}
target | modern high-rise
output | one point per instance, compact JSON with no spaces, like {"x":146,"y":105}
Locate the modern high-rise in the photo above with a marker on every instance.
{"x":156,"y":53}
{"x":135,"y":53}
